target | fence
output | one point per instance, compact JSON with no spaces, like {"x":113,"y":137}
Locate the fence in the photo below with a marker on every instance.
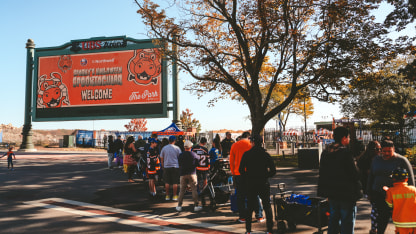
{"x":402,"y":141}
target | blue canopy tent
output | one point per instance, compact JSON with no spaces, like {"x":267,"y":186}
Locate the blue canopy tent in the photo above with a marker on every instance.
{"x":172,"y":130}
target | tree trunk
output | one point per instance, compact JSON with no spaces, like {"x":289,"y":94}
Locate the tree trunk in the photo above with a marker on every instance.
{"x":257,"y":124}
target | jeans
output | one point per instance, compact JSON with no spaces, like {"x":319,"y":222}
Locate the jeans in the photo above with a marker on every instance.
{"x":241,"y":200}
{"x":9,"y":162}
{"x":110,"y":159}
{"x":344,"y":212}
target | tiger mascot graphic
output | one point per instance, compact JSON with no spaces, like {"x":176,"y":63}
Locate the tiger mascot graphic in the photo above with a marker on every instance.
{"x":65,"y":63}
{"x":145,"y":67}
{"x":52,"y":93}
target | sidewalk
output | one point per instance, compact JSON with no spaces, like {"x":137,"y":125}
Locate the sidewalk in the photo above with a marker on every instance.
{"x":305,"y":182}
{"x":84,"y":177}
{"x":299,"y":181}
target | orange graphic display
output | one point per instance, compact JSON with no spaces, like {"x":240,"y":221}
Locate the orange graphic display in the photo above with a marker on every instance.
{"x":107,"y":78}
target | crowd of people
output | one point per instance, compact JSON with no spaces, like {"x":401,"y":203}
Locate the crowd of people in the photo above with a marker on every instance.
{"x":379,"y":173}
{"x":384,"y":177}
{"x":183,"y":165}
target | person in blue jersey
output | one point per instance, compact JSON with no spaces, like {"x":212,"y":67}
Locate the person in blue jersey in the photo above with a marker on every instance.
{"x":214,"y":152}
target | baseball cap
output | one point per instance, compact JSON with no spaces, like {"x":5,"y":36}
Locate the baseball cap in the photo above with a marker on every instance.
{"x":172,"y":138}
{"x":188,"y":144}
{"x":152,"y":140}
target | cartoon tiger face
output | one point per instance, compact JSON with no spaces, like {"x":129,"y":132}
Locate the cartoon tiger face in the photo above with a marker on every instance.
{"x":52,"y":92}
{"x":52,"y":97}
{"x":65,"y":63}
{"x":145,"y":66}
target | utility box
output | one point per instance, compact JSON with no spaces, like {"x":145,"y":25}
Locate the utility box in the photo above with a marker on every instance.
{"x":309,"y":158}
{"x":69,"y":141}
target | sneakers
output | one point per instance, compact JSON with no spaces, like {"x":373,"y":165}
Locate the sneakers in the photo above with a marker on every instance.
{"x":167,"y":198}
{"x":197,"y":208}
{"x":175,"y":197}
{"x":260,"y":220}
{"x":179,"y":208}
{"x":241,"y":220}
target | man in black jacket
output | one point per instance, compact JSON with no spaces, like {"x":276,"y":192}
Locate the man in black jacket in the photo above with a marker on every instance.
{"x":339,"y":182}
{"x":256,"y":167}
{"x":226,"y":145}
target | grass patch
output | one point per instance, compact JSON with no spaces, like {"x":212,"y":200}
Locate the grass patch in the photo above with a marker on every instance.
{"x":287,"y":161}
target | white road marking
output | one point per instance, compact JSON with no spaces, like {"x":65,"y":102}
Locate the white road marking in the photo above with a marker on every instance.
{"x":133,"y":218}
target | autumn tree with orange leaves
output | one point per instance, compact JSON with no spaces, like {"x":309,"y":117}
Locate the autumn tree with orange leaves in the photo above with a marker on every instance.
{"x":238,"y":47}
{"x":136,"y":125}
{"x":188,"y":122}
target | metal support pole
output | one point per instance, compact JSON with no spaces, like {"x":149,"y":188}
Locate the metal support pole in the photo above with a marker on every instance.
{"x":27,"y":133}
{"x":175,"y":87}
{"x":304,"y":132}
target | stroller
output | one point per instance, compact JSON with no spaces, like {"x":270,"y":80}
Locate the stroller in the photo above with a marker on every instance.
{"x":219,"y":186}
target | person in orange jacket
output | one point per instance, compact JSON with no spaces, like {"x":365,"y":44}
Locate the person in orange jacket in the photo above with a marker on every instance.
{"x":236,"y":153}
{"x":401,"y":197}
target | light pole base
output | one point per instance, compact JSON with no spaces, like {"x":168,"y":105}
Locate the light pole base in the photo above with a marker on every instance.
{"x":27,"y":145}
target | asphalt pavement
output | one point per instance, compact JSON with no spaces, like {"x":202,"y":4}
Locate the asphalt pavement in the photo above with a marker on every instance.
{"x":74,"y":192}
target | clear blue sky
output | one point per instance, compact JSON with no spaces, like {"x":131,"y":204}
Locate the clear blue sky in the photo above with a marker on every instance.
{"x":52,"y":23}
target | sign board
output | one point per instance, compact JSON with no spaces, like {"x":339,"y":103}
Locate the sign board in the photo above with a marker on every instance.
{"x":100,"y":78}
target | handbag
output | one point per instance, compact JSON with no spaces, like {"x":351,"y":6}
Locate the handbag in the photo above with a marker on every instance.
{"x":129,"y":160}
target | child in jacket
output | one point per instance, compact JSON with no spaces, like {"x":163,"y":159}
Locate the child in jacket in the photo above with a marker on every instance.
{"x":401,"y":197}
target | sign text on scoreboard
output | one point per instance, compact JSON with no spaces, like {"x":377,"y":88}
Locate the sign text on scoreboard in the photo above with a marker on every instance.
{"x":100,"y":78}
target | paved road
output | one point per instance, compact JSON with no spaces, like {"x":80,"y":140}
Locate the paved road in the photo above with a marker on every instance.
{"x":74,"y":192}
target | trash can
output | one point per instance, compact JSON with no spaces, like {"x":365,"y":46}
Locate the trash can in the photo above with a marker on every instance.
{"x":308,"y":158}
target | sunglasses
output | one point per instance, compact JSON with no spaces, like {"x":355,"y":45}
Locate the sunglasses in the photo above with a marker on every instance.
{"x":377,"y":149}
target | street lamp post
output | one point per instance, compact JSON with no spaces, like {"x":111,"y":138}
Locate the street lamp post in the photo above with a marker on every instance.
{"x":27,"y":133}
{"x":175,"y":88}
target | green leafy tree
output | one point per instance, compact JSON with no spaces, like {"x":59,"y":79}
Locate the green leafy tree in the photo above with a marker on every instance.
{"x":237,"y":47}
{"x":387,"y":104}
{"x":188,"y":122}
